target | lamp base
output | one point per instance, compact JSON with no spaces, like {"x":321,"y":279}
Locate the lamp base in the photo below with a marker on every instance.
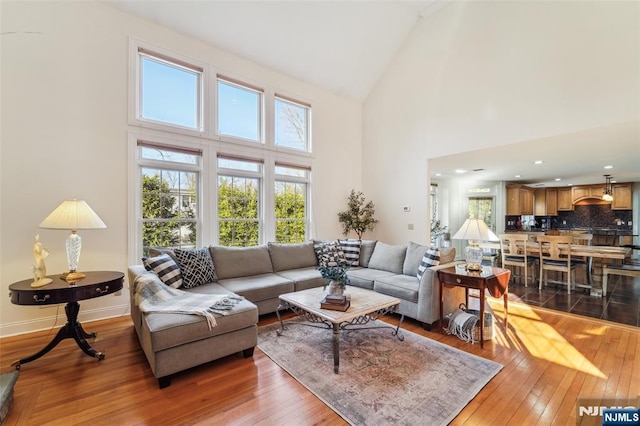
{"x":72,"y":276}
{"x":474,"y":267}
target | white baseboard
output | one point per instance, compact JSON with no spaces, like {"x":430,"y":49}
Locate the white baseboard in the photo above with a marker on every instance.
{"x":57,"y":321}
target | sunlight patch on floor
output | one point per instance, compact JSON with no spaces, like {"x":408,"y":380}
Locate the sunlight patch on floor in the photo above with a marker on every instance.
{"x":540,"y":339}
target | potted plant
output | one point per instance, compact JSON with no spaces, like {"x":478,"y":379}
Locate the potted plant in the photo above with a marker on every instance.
{"x":359,"y":215}
{"x":337,"y":276}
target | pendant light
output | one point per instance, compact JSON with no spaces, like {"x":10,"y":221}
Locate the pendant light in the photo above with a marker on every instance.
{"x":607,"y":194}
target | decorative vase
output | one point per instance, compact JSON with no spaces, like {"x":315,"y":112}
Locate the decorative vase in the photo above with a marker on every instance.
{"x":335,"y":288}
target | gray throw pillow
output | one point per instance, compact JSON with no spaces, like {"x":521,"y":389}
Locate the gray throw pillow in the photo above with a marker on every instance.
{"x":413,"y":258}
{"x":366,"y":250}
{"x":388,"y":258}
{"x":292,"y":256}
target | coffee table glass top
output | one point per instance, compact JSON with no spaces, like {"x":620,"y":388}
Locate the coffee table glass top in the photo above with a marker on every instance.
{"x":363,"y":302}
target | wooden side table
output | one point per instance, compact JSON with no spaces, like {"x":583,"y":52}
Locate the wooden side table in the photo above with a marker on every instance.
{"x":491,"y":278}
{"x":95,"y":284}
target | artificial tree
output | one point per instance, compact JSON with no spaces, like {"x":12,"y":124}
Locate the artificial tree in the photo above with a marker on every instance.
{"x":359,"y":215}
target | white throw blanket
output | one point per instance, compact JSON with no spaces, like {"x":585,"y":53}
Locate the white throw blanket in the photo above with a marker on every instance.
{"x":153,"y":296}
{"x":461,"y":324}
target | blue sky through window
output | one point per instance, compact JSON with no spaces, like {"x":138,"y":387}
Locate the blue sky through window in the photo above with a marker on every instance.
{"x":169,"y":94}
{"x":238,"y":111}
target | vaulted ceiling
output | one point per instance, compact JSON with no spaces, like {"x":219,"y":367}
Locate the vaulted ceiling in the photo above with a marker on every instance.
{"x":343,"y":46}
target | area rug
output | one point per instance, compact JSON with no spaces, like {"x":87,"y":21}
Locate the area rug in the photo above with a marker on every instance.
{"x":382,"y":380}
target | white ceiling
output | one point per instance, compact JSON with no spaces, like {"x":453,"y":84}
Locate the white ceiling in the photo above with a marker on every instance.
{"x":343,"y":46}
{"x":577,"y":158}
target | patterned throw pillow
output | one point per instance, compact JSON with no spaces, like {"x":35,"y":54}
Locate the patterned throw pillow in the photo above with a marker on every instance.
{"x":351,"y":250}
{"x":196,"y":266}
{"x":430,"y":258}
{"x":165,"y":268}
{"x":329,"y":254}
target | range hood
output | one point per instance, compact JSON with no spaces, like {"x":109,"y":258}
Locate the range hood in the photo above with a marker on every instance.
{"x":591,"y":201}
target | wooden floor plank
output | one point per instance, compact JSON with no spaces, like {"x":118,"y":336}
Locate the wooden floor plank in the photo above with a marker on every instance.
{"x":550,"y":360}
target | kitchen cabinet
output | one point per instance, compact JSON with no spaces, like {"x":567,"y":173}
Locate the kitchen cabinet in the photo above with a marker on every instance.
{"x":564,"y":199}
{"x":545,"y":202}
{"x":519,"y":200}
{"x":621,"y":196}
{"x":586,"y":191}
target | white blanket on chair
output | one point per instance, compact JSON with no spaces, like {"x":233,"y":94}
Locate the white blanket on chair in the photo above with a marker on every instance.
{"x":153,"y":296}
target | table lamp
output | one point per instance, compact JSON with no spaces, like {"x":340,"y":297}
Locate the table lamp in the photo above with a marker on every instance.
{"x":73,"y":215}
{"x":474,"y":230}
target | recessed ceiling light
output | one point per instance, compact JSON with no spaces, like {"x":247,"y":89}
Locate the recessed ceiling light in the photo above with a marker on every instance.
{"x":538,"y":162}
{"x":518,"y":176}
{"x":569,"y":184}
{"x":614,"y":181}
{"x":460,"y":171}
{"x":438,"y":174}
{"x":557,"y":179}
{"x":608,"y":167}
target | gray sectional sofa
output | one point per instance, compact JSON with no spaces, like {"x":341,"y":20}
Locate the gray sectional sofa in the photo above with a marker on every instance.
{"x":175,"y":342}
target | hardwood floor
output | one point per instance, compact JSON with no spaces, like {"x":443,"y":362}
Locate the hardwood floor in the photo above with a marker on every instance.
{"x":550,"y":359}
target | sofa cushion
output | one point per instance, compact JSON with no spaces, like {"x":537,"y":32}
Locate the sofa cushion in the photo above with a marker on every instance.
{"x":431,"y":258}
{"x":292,"y":256}
{"x":157,"y":251}
{"x":304,"y":278}
{"x":366,"y":250}
{"x":412,"y":260}
{"x":388,"y":258}
{"x":170,"y":330}
{"x":233,"y":262}
{"x":329,"y":253}
{"x":364,"y":277}
{"x":259,"y":287}
{"x":196,"y":267}
{"x":447,"y":255}
{"x":402,"y":286}
{"x":165,"y":268}
{"x":351,"y":250}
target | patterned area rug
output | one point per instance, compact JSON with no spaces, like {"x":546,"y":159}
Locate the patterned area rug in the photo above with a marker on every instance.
{"x":382,"y":380}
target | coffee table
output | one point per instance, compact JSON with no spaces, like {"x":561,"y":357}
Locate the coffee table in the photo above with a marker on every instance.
{"x":366,"y":306}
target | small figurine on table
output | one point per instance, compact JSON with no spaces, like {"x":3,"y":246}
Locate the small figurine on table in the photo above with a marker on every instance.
{"x":40,"y":270}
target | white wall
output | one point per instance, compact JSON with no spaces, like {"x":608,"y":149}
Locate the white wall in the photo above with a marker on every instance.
{"x":484,"y":74}
{"x":64,"y":135}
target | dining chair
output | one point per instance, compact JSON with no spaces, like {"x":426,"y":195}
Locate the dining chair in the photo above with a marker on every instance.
{"x":552,"y":259}
{"x":514,"y":252}
{"x":586,"y":261}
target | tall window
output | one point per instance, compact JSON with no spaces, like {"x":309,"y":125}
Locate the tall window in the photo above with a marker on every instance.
{"x":239,"y":202}
{"x":482,"y":208}
{"x":170,"y":91}
{"x":169,"y":203}
{"x":239,"y":110}
{"x":208,"y":171}
{"x":291,"y":124}
{"x":291,"y":203}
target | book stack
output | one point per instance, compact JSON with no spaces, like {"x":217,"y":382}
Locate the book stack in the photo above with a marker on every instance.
{"x":335,"y":303}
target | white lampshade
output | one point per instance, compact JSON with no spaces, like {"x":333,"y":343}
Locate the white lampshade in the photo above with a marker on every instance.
{"x":73,"y":215}
{"x":476,"y":230}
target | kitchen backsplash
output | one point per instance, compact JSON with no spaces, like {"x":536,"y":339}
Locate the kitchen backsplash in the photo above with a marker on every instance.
{"x":594,"y":216}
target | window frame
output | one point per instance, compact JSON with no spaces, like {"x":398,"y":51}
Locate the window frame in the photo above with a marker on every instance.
{"x":228,"y":172}
{"x":279,"y":96}
{"x":138,"y":49}
{"x":212,"y":145}
{"x":306,"y":180}
{"x":244,"y":84}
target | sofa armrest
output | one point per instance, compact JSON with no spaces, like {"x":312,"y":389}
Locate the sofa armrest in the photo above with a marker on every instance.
{"x":429,"y":294}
